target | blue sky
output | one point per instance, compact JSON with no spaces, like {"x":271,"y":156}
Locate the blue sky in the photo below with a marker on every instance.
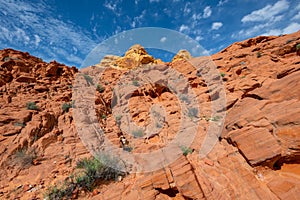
{"x":67,"y":31}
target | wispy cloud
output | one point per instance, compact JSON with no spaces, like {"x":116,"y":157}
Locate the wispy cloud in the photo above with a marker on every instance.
{"x":163,"y":39}
{"x":137,"y":20}
{"x":267,"y":13}
{"x":199,"y":38}
{"x":207,"y":12}
{"x":113,"y":6}
{"x":222,"y":2}
{"x":270,"y":20}
{"x":216,"y":25}
{"x":183,"y":28}
{"x":292,"y":27}
{"x":32,"y":26}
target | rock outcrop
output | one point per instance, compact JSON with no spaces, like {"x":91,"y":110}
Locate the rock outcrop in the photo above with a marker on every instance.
{"x":256,"y":155}
{"x":135,"y":56}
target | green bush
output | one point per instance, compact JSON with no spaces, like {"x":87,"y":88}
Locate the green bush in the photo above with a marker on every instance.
{"x":100,"y":88}
{"x":258,"y":54}
{"x":118,"y":120}
{"x":66,"y":107}
{"x":90,"y":173}
{"x":222,"y":74}
{"x":298,"y":46}
{"x":137,"y":133}
{"x":64,"y":191}
{"x":186,"y":150}
{"x":20,"y":124}
{"x":192,"y":112}
{"x":136,"y":83}
{"x":88,"y":79}
{"x":31,"y":106}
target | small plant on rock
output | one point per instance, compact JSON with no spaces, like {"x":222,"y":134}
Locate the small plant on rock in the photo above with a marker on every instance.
{"x":66,"y":107}
{"x":298,"y":49}
{"x":24,"y":157}
{"x":20,"y":124}
{"x":31,"y":106}
{"x":100,"y":88}
{"x":258,"y":54}
{"x":222,"y":74}
{"x":136,"y":83}
{"x":88,"y":79}
{"x":89,"y":173}
{"x":103,"y":116}
{"x":192,"y":112}
{"x":137,"y":133}
{"x":186,"y":150}
{"x":118,"y":120}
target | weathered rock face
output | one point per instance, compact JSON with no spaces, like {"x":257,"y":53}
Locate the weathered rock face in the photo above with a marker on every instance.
{"x":135,"y":56}
{"x":182,"y":55}
{"x":256,"y":156}
{"x":38,"y":139}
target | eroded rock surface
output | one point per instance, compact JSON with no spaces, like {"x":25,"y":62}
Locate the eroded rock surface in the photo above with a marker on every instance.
{"x":256,"y":155}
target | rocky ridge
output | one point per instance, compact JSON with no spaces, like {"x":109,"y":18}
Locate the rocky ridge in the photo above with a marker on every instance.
{"x":256,"y":156}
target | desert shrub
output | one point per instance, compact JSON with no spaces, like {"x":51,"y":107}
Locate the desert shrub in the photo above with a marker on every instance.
{"x":20,"y":124}
{"x":66,"y":107}
{"x":212,"y":119}
{"x":222,"y":74}
{"x":63,"y":191}
{"x":186,"y":150}
{"x":258,"y":54}
{"x":103,"y":116}
{"x":31,"y":106}
{"x":158,"y":125}
{"x":90,"y":173}
{"x":298,"y":46}
{"x":185,"y":99}
{"x":135,"y":83}
{"x":100,"y":88}
{"x":192,"y":112}
{"x":137,"y":133}
{"x":24,"y":157}
{"x":88,"y":79}
{"x":118,"y":120}
{"x":127,"y":148}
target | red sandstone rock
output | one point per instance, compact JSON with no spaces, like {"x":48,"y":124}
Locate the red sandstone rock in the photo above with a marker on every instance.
{"x":257,"y":156}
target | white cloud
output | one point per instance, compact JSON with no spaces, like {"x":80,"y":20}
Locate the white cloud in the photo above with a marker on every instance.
{"x":273,"y":32}
{"x":216,"y":36}
{"x":297,"y":16}
{"x":137,"y":21}
{"x":196,"y":16}
{"x":222,"y":2}
{"x":163,"y":39}
{"x":111,"y":6}
{"x":216,"y":25}
{"x":37,"y":40}
{"x":291,"y":28}
{"x":183,"y":28}
{"x":187,"y":8}
{"x":207,"y":12}
{"x":27,"y":24}
{"x":268,"y":13}
{"x":132,"y":24}
{"x":199,"y":38}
